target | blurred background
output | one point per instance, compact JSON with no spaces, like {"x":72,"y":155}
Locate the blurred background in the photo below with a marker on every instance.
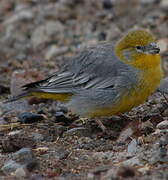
{"x":39,"y":34}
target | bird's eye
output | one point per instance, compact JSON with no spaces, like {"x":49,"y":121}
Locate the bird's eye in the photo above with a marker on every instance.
{"x":138,"y":47}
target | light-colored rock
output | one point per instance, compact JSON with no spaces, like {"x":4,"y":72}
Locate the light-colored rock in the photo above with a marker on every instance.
{"x":10,"y":167}
{"x":45,"y":33}
{"x":132,"y":147}
{"x":163,"y":44}
{"x":164,"y":3}
{"x":131,"y":162}
{"x":20,"y":172}
{"x":163,"y":125}
{"x":25,"y":14}
{"x":55,"y":51}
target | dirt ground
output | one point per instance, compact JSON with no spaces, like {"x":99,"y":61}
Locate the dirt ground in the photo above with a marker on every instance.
{"x":36,"y":38}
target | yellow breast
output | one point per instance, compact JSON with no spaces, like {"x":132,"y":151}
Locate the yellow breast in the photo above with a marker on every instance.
{"x":149,"y":80}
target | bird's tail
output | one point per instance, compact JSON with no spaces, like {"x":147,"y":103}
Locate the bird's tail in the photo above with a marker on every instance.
{"x":15,"y":98}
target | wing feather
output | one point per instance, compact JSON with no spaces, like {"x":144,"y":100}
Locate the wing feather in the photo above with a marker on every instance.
{"x":93,"y":68}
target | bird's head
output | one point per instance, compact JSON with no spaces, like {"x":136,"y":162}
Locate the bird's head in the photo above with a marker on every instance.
{"x":138,"y":48}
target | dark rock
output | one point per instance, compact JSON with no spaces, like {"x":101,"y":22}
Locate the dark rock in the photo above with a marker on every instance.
{"x":28,"y":117}
{"x":102,"y":36}
{"x":126,"y":171}
{"x":60,"y":117}
{"x":107,"y":4}
{"x":4,"y":89}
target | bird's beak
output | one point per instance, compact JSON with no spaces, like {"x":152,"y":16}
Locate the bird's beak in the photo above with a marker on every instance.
{"x":152,"y":48}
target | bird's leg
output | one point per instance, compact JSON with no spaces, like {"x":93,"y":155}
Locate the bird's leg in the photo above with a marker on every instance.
{"x":103,"y":128}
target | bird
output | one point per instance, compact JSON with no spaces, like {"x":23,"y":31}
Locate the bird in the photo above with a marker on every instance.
{"x":106,"y":79}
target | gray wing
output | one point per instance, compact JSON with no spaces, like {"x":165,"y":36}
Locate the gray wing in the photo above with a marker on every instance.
{"x":94,"y":68}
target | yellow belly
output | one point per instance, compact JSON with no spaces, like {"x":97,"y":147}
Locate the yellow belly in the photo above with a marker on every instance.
{"x":148,"y":83}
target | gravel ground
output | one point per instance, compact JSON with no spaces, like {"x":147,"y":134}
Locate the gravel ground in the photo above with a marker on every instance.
{"x":40,"y":139}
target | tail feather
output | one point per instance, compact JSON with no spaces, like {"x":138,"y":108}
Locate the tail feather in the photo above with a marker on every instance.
{"x":15,"y":98}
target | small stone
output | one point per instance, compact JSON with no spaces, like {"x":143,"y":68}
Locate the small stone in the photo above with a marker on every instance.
{"x":80,"y":132}
{"x":131,"y":162}
{"x":55,"y":51}
{"x":126,"y":171}
{"x":102,"y":36}
{"x":20,"y":172}
{"x":163,"y":125}
{"x":10,"y":166}
{"x":37,"y":137}
{"x":2,"y":121}
{"x":4,"y":89}
{"x":60,"y":117}
{"x":46,"y":32}
{"x":107,"y":4}
{"x":25,"y":157}
{"x":23,"y":15}
{"x":144,"y":170}
{"x":132,"y":147}
{"x":101,"y":156}
{"x":164,"y":3}
{"x":163,"y":44}
{"x":12,"y":133}
{"x":28,"y":117}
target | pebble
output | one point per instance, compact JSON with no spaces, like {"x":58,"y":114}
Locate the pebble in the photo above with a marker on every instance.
{"x":163,"y":44}
{"x":60,"y":117}
{"x":132,"y":147}
{"x":2,"y":121}
{"x":126,"y":171}
{"x":28,"y":117}
{"x":164,"y":3}
{"x":10,"y":166}
{"x":4,"y":89}
{"x":44,"y":33}
{"x":80,"y":132}
{"x":22,"y":15}
{"x":23,"y":156}
{"x":107,"y":4}
{"x":55,"y":51}
{"x":20,"y":172}
{"x":163,"y":125}
{"x":37,"y":137}
{"x":26,"y":158}
{"x":101,"y":156}
{"x":21,"y":159}
{"x":132,"y":162}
